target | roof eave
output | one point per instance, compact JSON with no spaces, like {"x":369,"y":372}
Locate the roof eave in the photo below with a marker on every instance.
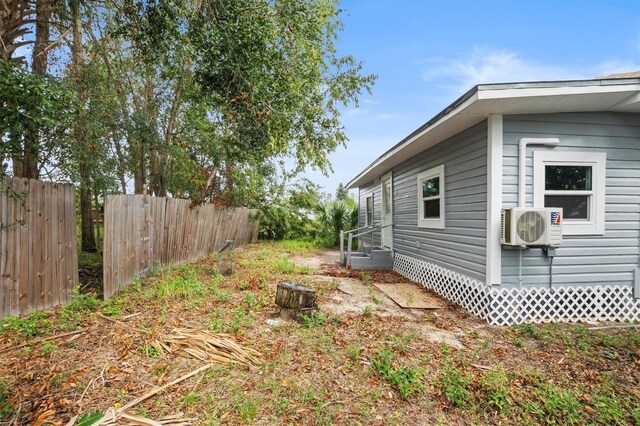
{"x":499,"y":92}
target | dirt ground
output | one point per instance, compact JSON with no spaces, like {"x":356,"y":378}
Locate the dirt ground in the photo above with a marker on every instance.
{"x":360,"y":360}
{"x":353,"y":296}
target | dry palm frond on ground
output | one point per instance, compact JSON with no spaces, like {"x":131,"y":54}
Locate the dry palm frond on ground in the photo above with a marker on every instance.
{"x":114,"y":418}
{"x":205,"y":346}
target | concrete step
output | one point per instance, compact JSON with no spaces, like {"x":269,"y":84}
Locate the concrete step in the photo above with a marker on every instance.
{"x":382,"y":259}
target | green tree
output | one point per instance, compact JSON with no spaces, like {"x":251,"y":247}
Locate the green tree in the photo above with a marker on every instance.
{"x":258,"y":81}
{"x":32,"y":104}
{"x":336,"y":216}
{"x":342,"y":193}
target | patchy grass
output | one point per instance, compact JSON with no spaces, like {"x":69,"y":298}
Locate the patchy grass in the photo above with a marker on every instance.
{"x":88,"y":260}
{"x":358,"y":368}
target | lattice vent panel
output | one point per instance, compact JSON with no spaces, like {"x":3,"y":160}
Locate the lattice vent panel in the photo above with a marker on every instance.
{"x":563,"y":304}
{"x":471,"y":294}
{"x":515,"y":306}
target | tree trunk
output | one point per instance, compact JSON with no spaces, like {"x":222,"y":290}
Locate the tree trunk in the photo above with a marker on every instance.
{"x":88,"y":240}
{"x":138,"y":171}
{"x":26,"y":165}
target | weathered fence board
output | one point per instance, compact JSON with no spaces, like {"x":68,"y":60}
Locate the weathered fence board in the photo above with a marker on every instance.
{"x":141,"y":231}
{"x":38,"y":243}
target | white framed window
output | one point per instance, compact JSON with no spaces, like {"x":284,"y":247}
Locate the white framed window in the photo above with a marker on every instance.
{"x":368,"y":218}
{"x":574,"y":181}
{"x":431,"y":198}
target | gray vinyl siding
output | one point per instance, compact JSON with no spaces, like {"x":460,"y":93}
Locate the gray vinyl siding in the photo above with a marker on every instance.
{"x":372,"y":188}
{"x":586,"y":259}
{"x":461,"y":246}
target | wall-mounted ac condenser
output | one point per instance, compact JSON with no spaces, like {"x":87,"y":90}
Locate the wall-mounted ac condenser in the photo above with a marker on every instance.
{"x":527,"y":226}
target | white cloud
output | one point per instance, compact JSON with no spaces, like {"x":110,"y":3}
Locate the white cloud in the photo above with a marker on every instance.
{"x":353,"y":112}
{"x":386,"y":116}
{"x":495,"y":66}
{"x":368,"y":101}
{"x":459,"y":74}
{"x":616,"y":67}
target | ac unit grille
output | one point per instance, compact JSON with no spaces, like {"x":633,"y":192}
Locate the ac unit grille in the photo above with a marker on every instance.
{"x":530,"y":226}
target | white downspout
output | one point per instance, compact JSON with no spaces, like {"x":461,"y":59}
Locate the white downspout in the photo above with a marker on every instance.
{"x":522,"y":173}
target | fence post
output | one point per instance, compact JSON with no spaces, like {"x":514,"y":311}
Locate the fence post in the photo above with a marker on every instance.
{"x":342,"y":247}
{"x":349,"y":239}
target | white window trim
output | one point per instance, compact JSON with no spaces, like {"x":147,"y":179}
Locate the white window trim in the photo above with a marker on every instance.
{"x":598,"y":162}
{"x":366,"y":213}
{"x":431,"y":223}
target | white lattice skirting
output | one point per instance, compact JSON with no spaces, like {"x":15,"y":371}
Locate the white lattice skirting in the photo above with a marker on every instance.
{"x":515,"y":306}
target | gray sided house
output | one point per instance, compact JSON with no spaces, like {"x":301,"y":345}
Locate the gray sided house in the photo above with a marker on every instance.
{"x":435,"y":200}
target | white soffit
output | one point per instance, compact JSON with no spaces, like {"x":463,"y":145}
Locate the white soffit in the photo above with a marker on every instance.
{"x":520,"y":100}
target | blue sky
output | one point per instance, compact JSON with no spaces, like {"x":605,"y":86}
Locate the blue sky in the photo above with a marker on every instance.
{"x":427,"y":53}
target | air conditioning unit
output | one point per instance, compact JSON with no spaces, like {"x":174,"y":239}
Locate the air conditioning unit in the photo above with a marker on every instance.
{"x":526,"y":226}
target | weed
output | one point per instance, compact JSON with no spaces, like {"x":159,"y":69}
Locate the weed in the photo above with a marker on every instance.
{"x":455,"y":385}
{"x":250,"y":301}
{"x":367,"y":310}
{"x":112,"y":308}
{"x":556,"y":405}
{"x":56,"y":381}
{"x":180,"y":284}
{"x":408,"y":380}
{"x":610,"y":408}
{"x":5,"y":408}
{"x":402,"y":344}
{"x":248,"y":409}
{"x":88,"y":260}
{"x":31,"y":325}
{"x":79,"y":306}
{"x":190,"y":398}
{"x":314,"y":319}
{"x":216,"y":324}
{"x":47,"y":348}
{"x":282,"y":405}
{"x":88,"y":419}
{"x":495,"y":385}
{"x":294,"y":246}
{"x":285,"y":266}
{"x":150,"y":351}
{"x":375,"y":300}
{"x":366,"y":278}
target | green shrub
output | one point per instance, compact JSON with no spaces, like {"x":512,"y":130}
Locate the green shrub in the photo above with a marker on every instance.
{"x":494,"y":385}
{"x":314,"y":319}
{"x":407,"y":380}
{"x":31,"y":325}
{"x":455,"y":386}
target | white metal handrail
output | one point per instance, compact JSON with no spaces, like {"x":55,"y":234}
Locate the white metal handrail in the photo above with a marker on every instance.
{"x":370,"y":229}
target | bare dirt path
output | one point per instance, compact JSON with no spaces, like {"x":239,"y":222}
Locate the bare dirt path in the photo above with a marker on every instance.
{"x":355,"y":296}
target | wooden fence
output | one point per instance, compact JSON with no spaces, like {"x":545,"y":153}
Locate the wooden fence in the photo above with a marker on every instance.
{"x":38,"y":243}
{"x":141,"y":231}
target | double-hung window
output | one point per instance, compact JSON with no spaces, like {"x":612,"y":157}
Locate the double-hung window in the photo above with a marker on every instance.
{"x":369,"y":211}
{"x":574,"y":181}
{"x":431,"y":198}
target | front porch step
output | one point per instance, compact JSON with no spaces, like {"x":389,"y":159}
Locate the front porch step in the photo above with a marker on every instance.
{"x":382,"y":259}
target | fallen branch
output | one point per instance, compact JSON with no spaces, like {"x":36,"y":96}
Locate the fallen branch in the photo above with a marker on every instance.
{"x":40,"y":340}
{"x":119,"y":412}
{"x":606,"y":327}
{"x":132,"y":315}
{"x":122,"y":324}
{"x":482,"y":367}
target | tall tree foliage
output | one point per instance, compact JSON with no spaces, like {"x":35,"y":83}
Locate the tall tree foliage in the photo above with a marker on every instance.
{"x":261,"y":79}
{"x":220,"y":100}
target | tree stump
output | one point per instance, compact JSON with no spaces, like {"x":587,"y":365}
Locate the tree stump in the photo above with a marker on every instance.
{"x":295,"y":300}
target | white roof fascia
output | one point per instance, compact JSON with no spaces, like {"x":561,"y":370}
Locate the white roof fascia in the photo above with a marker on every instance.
{"x":554,"y":91}
{"x":399,"y":148}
